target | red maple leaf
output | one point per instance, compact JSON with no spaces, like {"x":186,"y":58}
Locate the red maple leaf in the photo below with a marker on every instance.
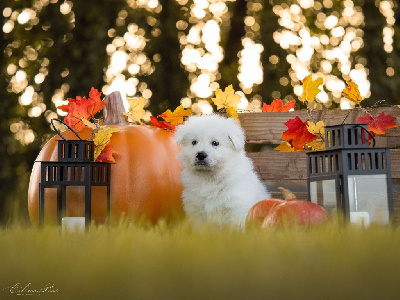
{"x":277,"y":105}
{"x":297,"y":134}
{"x":82,"y":108}
{"x":379,"y":124}
{"x":107,"y":154}
{"x":164,"y":125}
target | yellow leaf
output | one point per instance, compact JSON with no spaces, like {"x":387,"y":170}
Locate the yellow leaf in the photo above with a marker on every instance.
{"x":316,"y":145}
{"x":226,"y":98}
{"x":177,"y":116}
{"x":136,"y":109}
{"x":101,"y":139}
{"x":352,"y":93}
{"x":317,"y":129}
{"x":231,"y":112}
{"x":284,"y":147}
{"x":311,"y":88}
{"x":88,"y":123}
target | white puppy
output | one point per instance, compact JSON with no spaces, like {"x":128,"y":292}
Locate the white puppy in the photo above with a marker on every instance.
{"x":220,"y":185}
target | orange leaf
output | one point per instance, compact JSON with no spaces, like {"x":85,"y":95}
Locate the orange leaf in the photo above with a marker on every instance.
{"x":177,"y":116}
{"x":107,"y":154}
{"x":82,"y":108}
{"x":277,"y":105}
{"x":77,"y":109}
{"x":379,"y":124}
{"x":162,"y":125}
{"x":297,"y":134}
{"x":96,"y":104}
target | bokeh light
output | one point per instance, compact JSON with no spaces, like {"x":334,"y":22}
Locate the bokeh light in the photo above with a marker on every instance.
{"x":323,"y":37}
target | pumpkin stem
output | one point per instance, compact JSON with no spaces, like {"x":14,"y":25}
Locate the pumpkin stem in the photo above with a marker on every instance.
{"x":113,"y":110}
{"x":287,"y":195}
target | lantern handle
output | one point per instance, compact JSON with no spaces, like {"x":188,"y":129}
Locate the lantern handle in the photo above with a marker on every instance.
{"x":59,"y":133}
{"x":369,"y":133}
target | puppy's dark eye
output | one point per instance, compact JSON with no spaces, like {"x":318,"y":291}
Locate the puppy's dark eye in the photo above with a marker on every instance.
{"x":194,"y":142}
{"x":215,"y":143}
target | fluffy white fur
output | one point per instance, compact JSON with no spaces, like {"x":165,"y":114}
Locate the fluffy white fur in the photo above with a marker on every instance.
{"x":221,"y":187}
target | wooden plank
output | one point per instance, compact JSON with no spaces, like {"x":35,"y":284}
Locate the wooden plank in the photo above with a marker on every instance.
{"x":267,"y":128}
{"x":395,"y":163}
{"x":276,"y":166}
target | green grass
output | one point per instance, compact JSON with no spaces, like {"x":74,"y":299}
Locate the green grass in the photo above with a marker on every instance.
{"x":132,"y":262}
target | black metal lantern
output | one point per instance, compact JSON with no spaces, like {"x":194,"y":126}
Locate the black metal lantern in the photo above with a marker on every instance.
{"x":75,"y":167}
{"x":351,"y":175}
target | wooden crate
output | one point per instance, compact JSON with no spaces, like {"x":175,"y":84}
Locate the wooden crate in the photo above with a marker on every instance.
{"x":288,"y":169}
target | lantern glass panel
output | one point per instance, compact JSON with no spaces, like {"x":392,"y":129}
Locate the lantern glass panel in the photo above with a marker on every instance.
{"x":368,"y":198}
{"x":323,"y":193}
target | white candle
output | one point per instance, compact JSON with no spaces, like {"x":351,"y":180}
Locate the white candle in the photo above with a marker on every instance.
{"x":359,"y":218}
{"x":73,"y":224}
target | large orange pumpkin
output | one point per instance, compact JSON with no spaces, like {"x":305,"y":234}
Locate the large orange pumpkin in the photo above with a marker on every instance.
{"x":145,"y":180}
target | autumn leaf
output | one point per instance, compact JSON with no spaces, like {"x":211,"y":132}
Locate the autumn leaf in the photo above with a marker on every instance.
{"x":107,"y":154}
{"x":136,"y":109}
{"x":379,"y":124}
{"x":352,"y":93}
{"x":285,"y":147}
{"x":89,"y":124}
{"x":232,"y":113}
{"x":226,"y":98}
{"x":277,"y":105}
{"x":297,"y":134}
{"x":77,"y":110}
{"x":102,"y":138}
{"x":82,"y":108}
{"x":317,"y":145}
{"x":96,"y":105}
{"x":162,"y":125}
{"x":318,"y":129}
{"x":177,"y":116}
{"x":311,"y":88}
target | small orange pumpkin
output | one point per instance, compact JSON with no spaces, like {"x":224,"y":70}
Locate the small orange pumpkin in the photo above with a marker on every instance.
{"x":145,"y":180}
{"x":295,"y":212}
{"x":260,"y":210}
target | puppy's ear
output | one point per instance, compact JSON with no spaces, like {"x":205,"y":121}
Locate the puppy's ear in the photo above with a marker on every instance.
{"x":236,"y":135}
{"x":180,"y":134}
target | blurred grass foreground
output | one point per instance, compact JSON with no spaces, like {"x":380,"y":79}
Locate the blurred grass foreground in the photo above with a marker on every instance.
{"x":132,"y":262}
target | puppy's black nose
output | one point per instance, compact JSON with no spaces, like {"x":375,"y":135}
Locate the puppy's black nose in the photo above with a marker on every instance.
{"x":201,"y":155}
